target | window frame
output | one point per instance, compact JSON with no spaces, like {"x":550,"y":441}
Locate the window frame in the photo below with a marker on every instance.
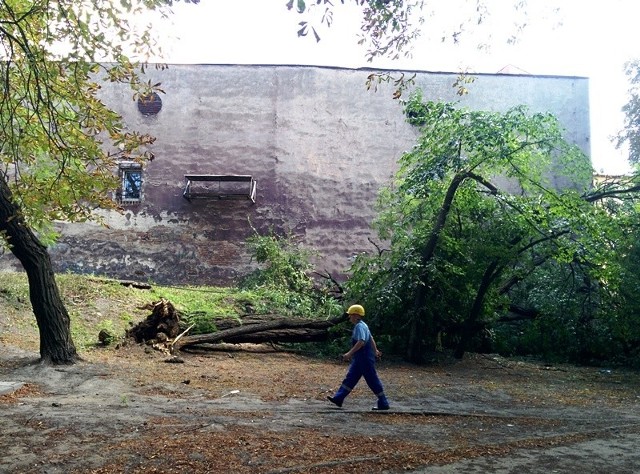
{"x":124,"y":170}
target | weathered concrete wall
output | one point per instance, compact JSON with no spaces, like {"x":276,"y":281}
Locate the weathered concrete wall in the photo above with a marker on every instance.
{"x":319,"y":144}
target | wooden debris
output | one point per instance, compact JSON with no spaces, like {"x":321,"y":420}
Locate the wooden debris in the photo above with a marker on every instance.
{"x":162,"y":330}
{"x":272,"y":331}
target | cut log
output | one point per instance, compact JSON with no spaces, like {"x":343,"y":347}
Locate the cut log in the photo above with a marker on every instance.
{"x":129,"y":283}
{"x":278,"y":330}
{"x":275,"y":336}
{"x":223,"y":323}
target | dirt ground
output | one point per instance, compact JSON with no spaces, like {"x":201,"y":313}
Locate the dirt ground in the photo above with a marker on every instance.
{"x":129,"y":410}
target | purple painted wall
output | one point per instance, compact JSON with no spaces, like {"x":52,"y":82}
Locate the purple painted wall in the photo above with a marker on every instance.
{"x":317,"y":142}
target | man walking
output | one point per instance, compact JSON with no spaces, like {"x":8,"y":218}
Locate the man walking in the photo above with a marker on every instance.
{"x":363,"y":354}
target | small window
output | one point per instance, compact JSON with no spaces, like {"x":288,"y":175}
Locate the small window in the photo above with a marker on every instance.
{"x":130,"y":191}
{"x":131,"y":184}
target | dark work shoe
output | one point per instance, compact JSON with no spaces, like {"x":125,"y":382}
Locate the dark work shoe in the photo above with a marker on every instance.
{"x":336,"y":401}
{"x":380,"y":407}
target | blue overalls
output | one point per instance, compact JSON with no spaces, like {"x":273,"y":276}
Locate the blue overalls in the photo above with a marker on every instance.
{"x":363,"y":364}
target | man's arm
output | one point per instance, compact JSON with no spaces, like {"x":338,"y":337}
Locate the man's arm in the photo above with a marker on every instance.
{"x":375,"y":348}
{"x":355,"y":348}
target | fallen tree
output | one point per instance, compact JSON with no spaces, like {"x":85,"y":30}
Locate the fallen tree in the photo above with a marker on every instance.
{"x":276,"y":330}
{"x":162,"y":328}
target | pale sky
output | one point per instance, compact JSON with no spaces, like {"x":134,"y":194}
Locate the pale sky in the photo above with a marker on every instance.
{"x":585,"y":38}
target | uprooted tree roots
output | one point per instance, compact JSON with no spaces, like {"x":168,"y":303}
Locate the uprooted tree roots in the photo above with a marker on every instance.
{"x":162,"y":328}
{"x":161,"y":325}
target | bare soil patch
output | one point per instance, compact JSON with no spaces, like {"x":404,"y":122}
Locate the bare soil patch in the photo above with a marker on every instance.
{"x":128,"y":410}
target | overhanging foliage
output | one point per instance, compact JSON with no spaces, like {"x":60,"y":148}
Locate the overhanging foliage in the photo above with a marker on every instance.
{"x":471,"y":218}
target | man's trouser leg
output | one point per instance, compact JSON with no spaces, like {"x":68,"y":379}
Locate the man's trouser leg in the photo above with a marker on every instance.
{"x":348,"y":384}
{"x":371,"y":377}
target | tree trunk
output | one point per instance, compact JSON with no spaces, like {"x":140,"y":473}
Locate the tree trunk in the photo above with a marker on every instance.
{"x":53,"y":320}
{"x":414,"y":343}
{"x":276,"y":336}
{"x":415,"y":346}
{"x":470,"y":325}
{"x":274,"y":330}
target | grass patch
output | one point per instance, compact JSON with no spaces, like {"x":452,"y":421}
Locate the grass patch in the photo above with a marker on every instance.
{"x":96,"y":303}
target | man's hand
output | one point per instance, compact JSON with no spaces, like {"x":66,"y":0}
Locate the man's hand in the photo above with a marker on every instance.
{"x":378,"y":354}
{"x":356,"y":347}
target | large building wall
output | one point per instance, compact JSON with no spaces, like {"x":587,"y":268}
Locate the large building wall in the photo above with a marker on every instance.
{"x":319,"y":144}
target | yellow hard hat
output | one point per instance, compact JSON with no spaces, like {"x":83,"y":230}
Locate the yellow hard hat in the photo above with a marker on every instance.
{"x":356,"y":309}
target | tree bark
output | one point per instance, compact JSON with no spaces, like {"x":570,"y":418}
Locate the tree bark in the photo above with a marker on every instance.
{"x":275,"y":330}
{"x":470,"y":326}
{"x":414,"y":343}
{"x":517,"y":313}
{"x":283,"y":335}
{"x":54,"y":324}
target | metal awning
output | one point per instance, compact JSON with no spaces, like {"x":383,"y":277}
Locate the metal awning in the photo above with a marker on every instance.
{"x":219,"y":186}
